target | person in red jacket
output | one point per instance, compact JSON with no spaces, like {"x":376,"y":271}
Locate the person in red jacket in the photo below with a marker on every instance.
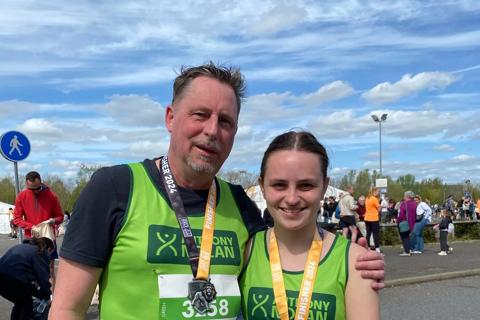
{"x":34,"y":205}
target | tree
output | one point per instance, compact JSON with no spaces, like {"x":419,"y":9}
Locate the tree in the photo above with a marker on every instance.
{"x":7,"y":190}
{"x":408,"y":182}
{"x":394,"y":190}
{"x":244,"y":178}
{"x":363,"y":182}
{"x":58,"y":186}
{"x":348,"y":180}
{"x":85,"y":172}
{"x":83,"y":176}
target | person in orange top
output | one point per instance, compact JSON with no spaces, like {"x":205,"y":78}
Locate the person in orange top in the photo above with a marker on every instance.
{"x":372,"y":217}
{"x":477,"y":210}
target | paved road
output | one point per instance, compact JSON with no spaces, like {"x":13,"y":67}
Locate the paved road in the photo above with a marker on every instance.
{"x":440,"y":300}
{"x":464,"y":261}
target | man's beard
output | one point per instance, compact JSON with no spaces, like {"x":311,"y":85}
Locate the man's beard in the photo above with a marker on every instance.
{"x":204,"y":164}
{"x":204,"y":167}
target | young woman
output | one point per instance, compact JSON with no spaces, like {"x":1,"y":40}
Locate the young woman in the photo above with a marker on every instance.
{"x":372,"y":217}
{"x":295,"y":268}
{"x":24,"y":272}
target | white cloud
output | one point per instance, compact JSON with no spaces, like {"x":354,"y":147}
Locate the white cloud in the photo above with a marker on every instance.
{"x":444,"y":148}
{"x":332,"y":91}
{"x":37,"y":126}
{"x":66,"y":165}
{"x":123,"y":76}
{"x":280,"y":17}
{"x":387,"y":92}
{"x":135,"y":110}
{"x":416,"y":124}
{"x":14,"y":109}
{"x":463,"y":157}
{"x":453,"y":170}
{"x":243,"y":132}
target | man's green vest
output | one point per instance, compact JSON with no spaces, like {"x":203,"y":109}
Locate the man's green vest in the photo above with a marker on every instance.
{"x":328,"y":297}
{"x":148,"y":273}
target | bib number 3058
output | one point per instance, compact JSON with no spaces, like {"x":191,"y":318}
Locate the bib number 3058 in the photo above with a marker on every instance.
{"x":221,"y":309}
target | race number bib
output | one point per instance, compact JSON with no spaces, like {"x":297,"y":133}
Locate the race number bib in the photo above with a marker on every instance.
{"x":174,"y":304}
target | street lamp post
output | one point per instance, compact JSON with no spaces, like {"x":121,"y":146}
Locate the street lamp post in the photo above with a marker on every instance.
{"x":383,"y":118}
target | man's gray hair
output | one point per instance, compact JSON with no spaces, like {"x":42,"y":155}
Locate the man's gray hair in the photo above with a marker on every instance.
{"x":228,"y":75}
{"x":409,"y":194}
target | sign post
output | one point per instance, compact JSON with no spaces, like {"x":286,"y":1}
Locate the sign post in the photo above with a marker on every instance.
{"x":14,"y":146}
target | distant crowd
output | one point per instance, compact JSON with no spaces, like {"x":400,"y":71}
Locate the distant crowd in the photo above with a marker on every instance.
{"x":461,"y":209}
{"x":362,"y":217}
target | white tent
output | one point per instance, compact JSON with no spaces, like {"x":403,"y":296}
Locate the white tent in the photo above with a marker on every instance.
{"x":5,"y":206}
{"x":255,"y":194}
{"x":4,"y":218}
{"x":332,"y":191}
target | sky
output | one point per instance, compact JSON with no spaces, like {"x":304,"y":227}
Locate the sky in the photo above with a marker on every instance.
{"x":88,"y":82}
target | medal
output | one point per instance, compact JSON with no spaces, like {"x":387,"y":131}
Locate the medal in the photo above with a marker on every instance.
{"x":201,"y":293}
{"x":309,"y":276}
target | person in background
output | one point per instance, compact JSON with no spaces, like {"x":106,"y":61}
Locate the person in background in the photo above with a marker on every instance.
{"x":443,"y":229}
{"x":384,"y":208}
{"x":13,"y":227}
{"x":450,"y":205}
{"x":372,"y":217}
{"x":461,"y":212}
{"x":392,"y":212}
{"x":468,"y":208}
{"x":66,"y":219}
{"x":37,"y":204}
{"x":329,"y":206}
{"x":422,"y":218}
{"x":24,"y":273}
{"x":348,"y":216}
{"x":361,"y":215}
{"x":408,"y":212}
{"x":293,"y":267}
{"x":477,"y":209}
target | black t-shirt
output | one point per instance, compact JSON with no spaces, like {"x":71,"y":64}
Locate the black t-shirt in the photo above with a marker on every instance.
{"x":99,"y":211}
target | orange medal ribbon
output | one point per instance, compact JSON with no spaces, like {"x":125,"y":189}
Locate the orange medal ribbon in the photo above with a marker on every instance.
{"x":207,"y":235}
{"x":308,"y":281}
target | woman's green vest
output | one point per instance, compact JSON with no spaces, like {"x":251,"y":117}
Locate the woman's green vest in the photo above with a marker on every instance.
{"x":328,"y":297}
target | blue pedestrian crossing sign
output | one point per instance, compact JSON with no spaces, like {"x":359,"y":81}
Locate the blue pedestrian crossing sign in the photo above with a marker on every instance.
{"x":14,"y":146}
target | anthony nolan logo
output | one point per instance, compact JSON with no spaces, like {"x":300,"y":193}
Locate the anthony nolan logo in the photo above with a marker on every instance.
{"x":261,"y":305}
{"x":166,"y":245}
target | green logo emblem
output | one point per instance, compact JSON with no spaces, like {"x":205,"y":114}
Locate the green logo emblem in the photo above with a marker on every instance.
{"x":261,"y":304}
{"x":166,"y":245}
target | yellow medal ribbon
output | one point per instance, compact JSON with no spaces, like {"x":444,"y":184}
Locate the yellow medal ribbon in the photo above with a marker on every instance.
{"x":207,"y":235}
{"x":308,"y":281}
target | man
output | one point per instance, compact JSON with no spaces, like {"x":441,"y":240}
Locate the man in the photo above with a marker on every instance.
{"x":348,"y":216}
{"x":468,"y":208}
{"x":13,"y":227}
{"x":37,"y":204}
{"x":450,"y":205}
{"x":125,"y":228}
{"x":423,"y":217}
